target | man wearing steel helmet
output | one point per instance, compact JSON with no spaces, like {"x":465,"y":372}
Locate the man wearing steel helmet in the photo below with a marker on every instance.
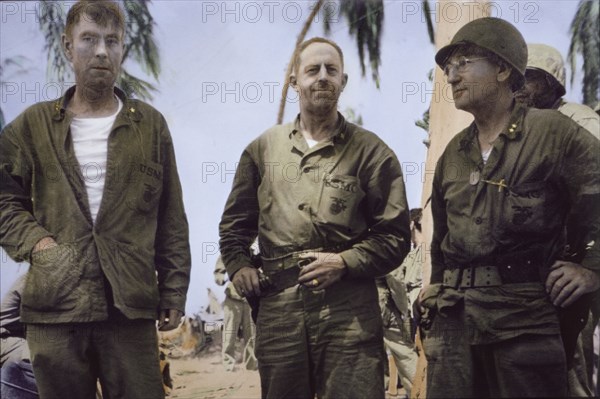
{"x":510,"y":192}
{"x":545,"y":86}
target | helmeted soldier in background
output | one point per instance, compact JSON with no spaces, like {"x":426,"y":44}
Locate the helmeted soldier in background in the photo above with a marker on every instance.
{"x":544,"y":87}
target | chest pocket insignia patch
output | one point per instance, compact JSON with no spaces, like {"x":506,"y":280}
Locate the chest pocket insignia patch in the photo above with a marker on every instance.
{"x":338,"y":205}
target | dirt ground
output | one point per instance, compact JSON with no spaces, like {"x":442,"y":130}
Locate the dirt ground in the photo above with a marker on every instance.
{"x":204,"y":377}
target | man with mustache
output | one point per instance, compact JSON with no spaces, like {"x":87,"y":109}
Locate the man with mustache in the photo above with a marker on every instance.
{"x":510,"y":193}
{"x":327,"y":201}
{"x":91,"y":198}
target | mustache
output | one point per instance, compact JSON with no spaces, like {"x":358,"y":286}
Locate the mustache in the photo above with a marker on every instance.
{"x":323,"y":86}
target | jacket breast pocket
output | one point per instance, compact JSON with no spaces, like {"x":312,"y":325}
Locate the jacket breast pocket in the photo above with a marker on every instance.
{"x":146,"y":181}
{"x":526,"y":208}
{"x":339,"y":200}
{"x":52,"y":277}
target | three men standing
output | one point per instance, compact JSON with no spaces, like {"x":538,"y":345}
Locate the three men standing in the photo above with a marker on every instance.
{"x":327,"y":201}
{"x":109,"y":250}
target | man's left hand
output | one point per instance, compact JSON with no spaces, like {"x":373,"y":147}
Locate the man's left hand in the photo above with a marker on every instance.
{"x":325,"y":269}
{"x":169,"y":319}
{"x":568,"y":281}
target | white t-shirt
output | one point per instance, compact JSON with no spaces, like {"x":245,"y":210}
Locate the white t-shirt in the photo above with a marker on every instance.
{"x":311,"y":143}
{"x":486,"y":154}
{"x":90,"y":142}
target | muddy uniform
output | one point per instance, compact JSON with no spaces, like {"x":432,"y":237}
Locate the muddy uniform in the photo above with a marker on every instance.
{"x":107,"y":278}
{"x":347,"y":191}
{"x":497,"y":228}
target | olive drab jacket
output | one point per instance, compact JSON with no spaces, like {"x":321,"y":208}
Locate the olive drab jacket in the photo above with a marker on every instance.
{"x":349,"y":190}
{"x":139,"y":241}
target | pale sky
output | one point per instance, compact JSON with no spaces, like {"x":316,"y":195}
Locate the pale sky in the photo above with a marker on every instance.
{"x":223,"y":64}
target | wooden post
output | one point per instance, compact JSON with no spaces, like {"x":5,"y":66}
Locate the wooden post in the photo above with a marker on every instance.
{"x":445,"y":121}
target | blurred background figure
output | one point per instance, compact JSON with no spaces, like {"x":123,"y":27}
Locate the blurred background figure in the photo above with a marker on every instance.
{"x":545,"y":86}
{"x":397,"y":292}
{"x":236,"y":315}
{"x":17,"y":380}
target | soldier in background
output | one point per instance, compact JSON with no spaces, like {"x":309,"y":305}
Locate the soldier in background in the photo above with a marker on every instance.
{"x":236,"y":314}
{"x":397,"y":292}
{"x":545,"y":86}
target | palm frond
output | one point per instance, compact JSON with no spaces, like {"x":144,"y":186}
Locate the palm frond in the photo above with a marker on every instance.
{"x":135,"y":87}
{"x":365,"y":21}
{"x":52,"y":24}
{"x":429,"y":21}
{"x":585,"y":41}
{"x":139,"y":37}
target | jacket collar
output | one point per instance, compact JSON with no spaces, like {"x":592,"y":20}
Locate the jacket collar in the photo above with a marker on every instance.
{"x":129,"y":108}
{"x":512,"y":132}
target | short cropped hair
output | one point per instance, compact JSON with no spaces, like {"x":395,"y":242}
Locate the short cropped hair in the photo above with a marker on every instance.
{"x":308,"y":42}
{"x":100,"y":12}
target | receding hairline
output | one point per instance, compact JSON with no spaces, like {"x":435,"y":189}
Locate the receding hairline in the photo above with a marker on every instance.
{"x":316,"y":40}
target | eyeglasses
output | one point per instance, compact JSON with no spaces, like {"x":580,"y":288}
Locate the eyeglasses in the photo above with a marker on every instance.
{"x":461,"y":64}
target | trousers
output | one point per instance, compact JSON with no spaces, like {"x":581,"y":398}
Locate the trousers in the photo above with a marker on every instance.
{"x":326,"y":343}
{"x":68,"y":359}
{"x":528,"y":365}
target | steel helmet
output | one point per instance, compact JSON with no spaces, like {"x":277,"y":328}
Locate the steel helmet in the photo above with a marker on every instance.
{"x":493,"y":34}
{"x":549,"y":60}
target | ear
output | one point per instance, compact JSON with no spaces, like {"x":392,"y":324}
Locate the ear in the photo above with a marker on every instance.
{"x":293,"y":82}
{"x":504,"y":72}
{"x":344,"y":81}
{"x":67,"y":46}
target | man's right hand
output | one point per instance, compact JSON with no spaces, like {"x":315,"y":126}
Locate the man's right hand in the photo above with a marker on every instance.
{"x":246,"y":281}
{"x":44,"y":243}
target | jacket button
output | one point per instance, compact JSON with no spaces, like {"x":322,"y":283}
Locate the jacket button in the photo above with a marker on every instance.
{"x":478,"y":220}
{"x":301,"y":207}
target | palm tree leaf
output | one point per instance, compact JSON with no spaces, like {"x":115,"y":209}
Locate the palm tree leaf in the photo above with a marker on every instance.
{"x":585,"y":41}
{"x":365,"y":21}
{"x":135,"y":87}
{"x":429,"y":21}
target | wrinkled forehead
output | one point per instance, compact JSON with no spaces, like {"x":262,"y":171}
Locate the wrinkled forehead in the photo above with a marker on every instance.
{"x":320,"y":52}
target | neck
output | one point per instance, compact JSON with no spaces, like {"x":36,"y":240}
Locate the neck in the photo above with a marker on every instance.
{"x":89,"y":102}
{"x":318,"y":127}
{"x":492,"y":120}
